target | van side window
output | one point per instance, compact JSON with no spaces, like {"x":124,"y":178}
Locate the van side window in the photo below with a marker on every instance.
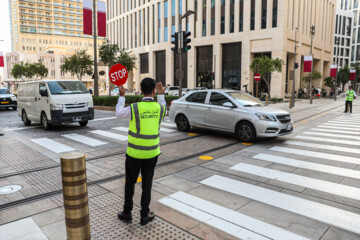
{"x":42,"y":86}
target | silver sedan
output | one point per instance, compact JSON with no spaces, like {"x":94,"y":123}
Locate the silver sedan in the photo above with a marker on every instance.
{"x":230,"y":111}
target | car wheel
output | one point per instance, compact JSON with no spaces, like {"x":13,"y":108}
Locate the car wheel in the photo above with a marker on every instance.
{"x":25,"y":119}
{"x":182,"y":123}
{"x":245,"y":132}
{"x":45,"y":122}
{"x":83,"y":123}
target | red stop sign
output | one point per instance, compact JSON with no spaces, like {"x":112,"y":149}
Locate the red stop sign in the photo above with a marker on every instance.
{"x":118,"y":74}
{"x":257,"y":77}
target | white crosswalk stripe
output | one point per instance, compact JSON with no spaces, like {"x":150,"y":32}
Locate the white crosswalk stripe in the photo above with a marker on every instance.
{"x":332,"y":135}
{"x":328,"y":140}
{"x":52,"y":145}
{"x":336,"y":127}
{"x":85,"y":140}
{"x":110,"y":135}
{"x":323,"y":146}
{"x":349,"y":123}
{"x":215,"y":215}
{"x":326,"y":156}
{"x":314,"y":210}
{"x":344,"y":172}
{"x":167,"y":124}
{"x":335,"y":131}
{"x":307,"y":182}
{"x":342,"y":125}
{"x":125,"y":129}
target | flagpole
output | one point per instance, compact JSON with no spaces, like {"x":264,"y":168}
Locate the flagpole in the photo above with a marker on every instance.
{"x":96,"y":77}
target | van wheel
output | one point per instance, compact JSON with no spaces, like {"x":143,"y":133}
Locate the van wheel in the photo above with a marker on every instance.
{"x":25,"y":119}
{"x":45,"y":122}
{"x":245,"y":132}
{"x":83,"y":123}
{"x":182,"y":123}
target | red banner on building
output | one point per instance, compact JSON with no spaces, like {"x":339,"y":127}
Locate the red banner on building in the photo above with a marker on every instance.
{"x":101,"y":21}
{"x":352,"y":74}
{"x":87,"y":17}
{"x":1,"y":59}
{"x":333,"y":70}
{"x":308,"y":64}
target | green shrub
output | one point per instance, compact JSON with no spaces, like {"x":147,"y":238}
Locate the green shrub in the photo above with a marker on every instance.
{"x":113,"y":100}
{"x":275,"y":100}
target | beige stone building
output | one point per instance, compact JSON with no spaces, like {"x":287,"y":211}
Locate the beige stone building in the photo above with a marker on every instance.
{"x":226,"y":36}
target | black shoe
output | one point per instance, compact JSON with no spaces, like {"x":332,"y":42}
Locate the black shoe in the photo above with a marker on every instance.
{"x":1,"y":134}
{"x":126,"y":217}
{"x":145,"y":220}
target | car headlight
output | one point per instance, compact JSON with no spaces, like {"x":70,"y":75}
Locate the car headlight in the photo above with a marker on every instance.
{"x":266,"y":117}
{"x":13,"y":98}
{"x":56,"y":106}
{"x":90,"y":105}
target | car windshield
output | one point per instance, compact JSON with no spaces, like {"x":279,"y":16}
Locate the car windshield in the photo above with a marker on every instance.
{"x":67,"y":87}
{"x":4,"y":91}
{"x":245,"y":99}
{"x":173,"y":88}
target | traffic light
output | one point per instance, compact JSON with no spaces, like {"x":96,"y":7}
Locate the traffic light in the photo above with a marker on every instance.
{"x":212,"y":76}
{"x":186,"y":41}
{"x":175,"y":41}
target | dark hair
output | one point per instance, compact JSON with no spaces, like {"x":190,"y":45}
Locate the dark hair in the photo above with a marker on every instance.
{"x":350,"y":86}
{"x":147,"y":85}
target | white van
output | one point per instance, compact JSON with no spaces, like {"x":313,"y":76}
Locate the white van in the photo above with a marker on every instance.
{"x":53,"y":102}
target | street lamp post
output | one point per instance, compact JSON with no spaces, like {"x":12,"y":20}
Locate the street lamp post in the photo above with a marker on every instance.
{"x":312,"y":32}
{"x":337,"y":43}
{"x":293,"y":85}
{"x":96,"y":76}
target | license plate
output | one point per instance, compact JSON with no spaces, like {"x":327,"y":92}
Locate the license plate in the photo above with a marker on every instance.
{"x":77,"y":119}
{"x":289,"y":127}
{"x":4,"y":102}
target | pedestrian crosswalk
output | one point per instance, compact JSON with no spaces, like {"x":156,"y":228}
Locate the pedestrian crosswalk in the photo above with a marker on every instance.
{"x":326,"y":160}
{"x":94,"y":138}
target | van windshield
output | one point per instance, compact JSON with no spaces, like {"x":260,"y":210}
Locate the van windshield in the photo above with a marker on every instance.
{"x":67,"y":87}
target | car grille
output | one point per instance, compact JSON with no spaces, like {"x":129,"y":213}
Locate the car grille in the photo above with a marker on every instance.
{"x":285,"y":131}
{"x":2,"y":99}
{"x":76,"y":114}
{"x":284,"y":118}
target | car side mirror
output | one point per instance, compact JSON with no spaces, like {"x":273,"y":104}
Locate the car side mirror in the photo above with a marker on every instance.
{"x":44,"y":92}
{"x":228,"y":104}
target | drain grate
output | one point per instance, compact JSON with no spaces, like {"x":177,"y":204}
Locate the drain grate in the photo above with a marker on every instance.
{"x":10,"y":189}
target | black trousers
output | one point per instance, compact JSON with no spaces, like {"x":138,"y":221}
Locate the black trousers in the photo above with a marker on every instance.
{"x":348,"y":103}
{"x":132,"y":168}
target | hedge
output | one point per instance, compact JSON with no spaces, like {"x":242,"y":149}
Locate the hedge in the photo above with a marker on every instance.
{"x":112,"y":100}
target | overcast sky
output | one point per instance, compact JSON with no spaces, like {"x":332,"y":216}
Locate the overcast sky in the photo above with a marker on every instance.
{"x":5,"y":46}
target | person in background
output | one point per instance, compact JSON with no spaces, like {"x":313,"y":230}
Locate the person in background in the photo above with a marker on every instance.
{"x":305,"y":92}
{"x":350,"y":96}
{"x":318,"y":93}
{"x":143,"y":145}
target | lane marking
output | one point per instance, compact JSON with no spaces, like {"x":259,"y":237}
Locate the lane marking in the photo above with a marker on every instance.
{"x":125,"y":129}
{"x":332,"y":135}
{"x":319,"y":139}
{"x":334,"y":127}
{"x":320,"y":212}
{"x":335,"y":131}
{"x":247,"y":144}
{"x":242,"y":220}
{"x":168,"y":124}
{"x":307,"y":182}
{"x":215,"y":222}
{"x":192,"y":134}
{"x":206,"y":158}
{"x":52,"y":145}
{"x":323,"y":146}
{"x":344,"y":172}
{"x":20,"y":128}
{"x":326,"y":156}
{"x":85,"y":140}
{"x":102,"y":119}
{"x":110,"y":135}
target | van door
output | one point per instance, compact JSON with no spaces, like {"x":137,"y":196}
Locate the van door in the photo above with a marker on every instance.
{"x":31,"y":101}
{"x":42,"y":101}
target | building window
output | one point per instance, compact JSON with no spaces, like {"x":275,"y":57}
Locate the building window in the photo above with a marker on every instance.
{"x":241,"y":17}
{"x":172,"y":16}
{"x":159,"y":22}
{"x":231,"y":66}
{"x":222,"y":27}
{"x":263,"y":13}
{"x":160,"y":66}
{"x":166,"y":12}
{"x":144,"y":63}
{"x":212,"y":17}
{"x":153,"y":32}
{"x":196,"y":17}
{"x":275,"y":13}
{"x":136,"y":30}
{"x":252,"y":15}
{"x":204,"y":19}
{"x":204,"y":66}
{"x":232,"y":16}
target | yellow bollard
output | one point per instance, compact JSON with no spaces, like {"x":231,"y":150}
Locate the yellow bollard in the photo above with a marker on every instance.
{"x":73,"y":172}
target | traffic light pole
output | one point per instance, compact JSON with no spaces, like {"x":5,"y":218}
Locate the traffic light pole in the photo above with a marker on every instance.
{"x":96,"y":76}
{"x":180,"y":74}
{"x":293,"y":85}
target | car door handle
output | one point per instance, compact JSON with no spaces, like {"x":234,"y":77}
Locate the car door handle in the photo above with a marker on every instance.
{"x":187,"y":106}
{"x":35,"y":99}
{"x":210,"y":109}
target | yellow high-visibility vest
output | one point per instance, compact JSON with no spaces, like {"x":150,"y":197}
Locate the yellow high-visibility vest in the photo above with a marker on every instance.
{"x":144,"y":129}
{"x":350,"y":95}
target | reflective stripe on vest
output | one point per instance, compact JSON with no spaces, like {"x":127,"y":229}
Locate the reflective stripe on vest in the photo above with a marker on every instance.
{"x":144,"y":130}
{"x":350,"y":95}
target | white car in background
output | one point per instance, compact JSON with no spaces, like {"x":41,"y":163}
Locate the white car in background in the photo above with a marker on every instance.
{"x":230,"y":111}
{"x":171,"y":90}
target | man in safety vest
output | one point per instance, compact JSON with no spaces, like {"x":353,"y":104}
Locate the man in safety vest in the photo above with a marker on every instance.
{"x":143,"y":145}
{"x":350,"y":95}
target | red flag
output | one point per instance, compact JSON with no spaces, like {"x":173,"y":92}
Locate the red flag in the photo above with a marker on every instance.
{"x":1,"y":59}
{"x":87,"y":17}
{"x":333,"y":70}
{"x":307,"y":64}
{"x":352,"y":74}
{"x":101,"y":21}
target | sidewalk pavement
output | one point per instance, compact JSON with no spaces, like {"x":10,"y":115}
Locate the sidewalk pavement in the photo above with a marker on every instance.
{"x":45,"y":219}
